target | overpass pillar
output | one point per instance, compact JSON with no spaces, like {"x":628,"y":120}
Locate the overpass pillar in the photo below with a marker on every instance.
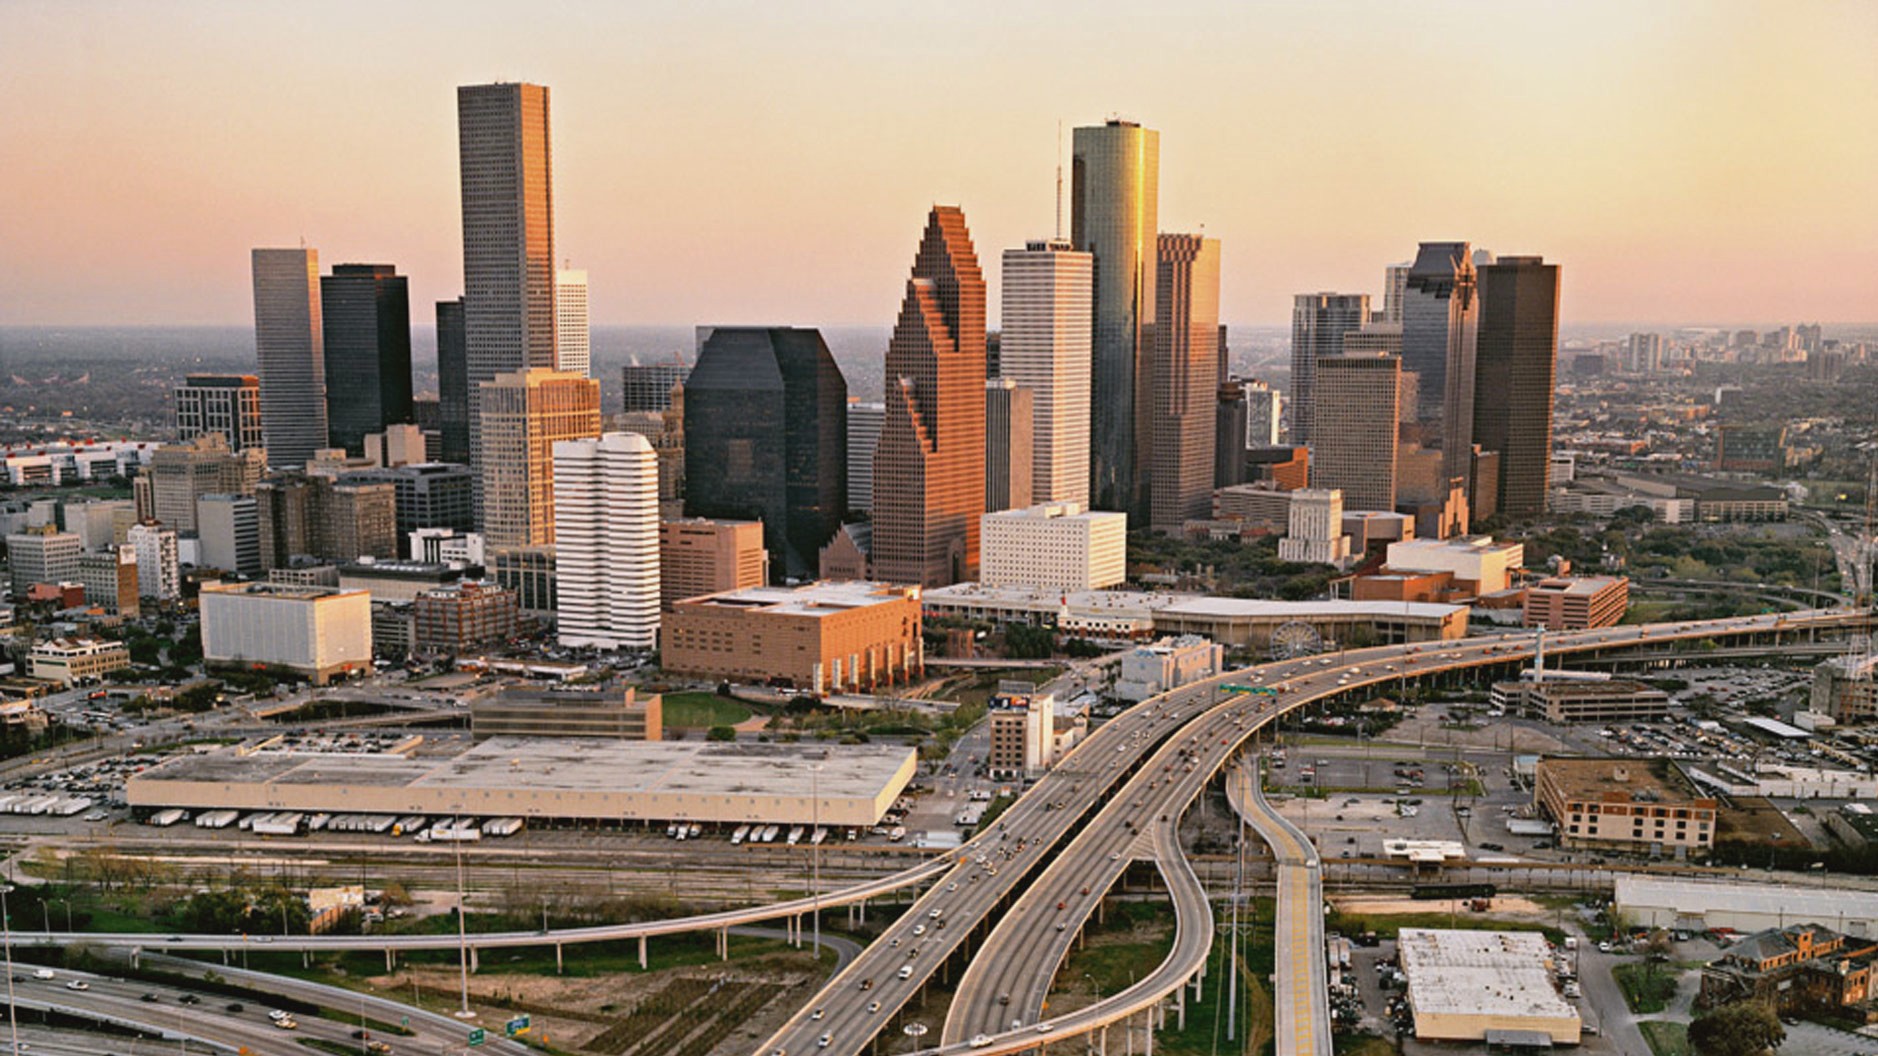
{"x":559,"y":964}
{"x":1147,"y":1041}
{"x":474,"y":960}
{"x":723,"y":944}
{"x":1180,"y":1009}
{"x":642,"y":953}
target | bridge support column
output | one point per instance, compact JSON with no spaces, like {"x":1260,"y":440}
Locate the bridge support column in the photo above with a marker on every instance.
{"x":642,"y":953}
{"x":1180,"y":1009}
{"x":1147,"y":1042}
{"x":723,"y":944}
{"x":1102,"y":1042}
{"x":224,"y":958}
{"x":305,"y":959}
{"x":390,"y":960}
{"x":559,"y":964}
{"x":475,"y":961}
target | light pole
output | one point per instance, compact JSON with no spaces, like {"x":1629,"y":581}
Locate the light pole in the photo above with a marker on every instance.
{"x":462,"y":928}
{"x":6,"y":923}
{"x":815,"y":853}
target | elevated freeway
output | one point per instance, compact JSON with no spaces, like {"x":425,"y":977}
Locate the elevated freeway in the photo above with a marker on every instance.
{"x":1302,"y":1001}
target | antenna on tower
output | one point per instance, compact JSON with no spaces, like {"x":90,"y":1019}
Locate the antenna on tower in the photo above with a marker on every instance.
{"x":1059,"y":179}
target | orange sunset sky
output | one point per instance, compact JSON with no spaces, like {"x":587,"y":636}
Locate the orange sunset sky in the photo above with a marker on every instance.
{"x":1693,"y":162}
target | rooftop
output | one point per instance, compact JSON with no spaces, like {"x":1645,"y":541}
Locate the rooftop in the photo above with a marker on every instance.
{"x":288,"y":591}
{"x":1575,"y":586}
{"x":1481,"y":973}
{"x":1618,"y":781}
{"x":1264,"y":608}
{"x":1781,"y":900}
{"x":815,"y":599}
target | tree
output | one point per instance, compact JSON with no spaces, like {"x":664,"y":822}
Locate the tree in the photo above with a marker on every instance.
{"x":721,"y":733}
{"x":1745,"y":1028}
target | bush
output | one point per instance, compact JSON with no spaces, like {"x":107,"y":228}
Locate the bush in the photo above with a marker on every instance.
{"x":721,"y":733}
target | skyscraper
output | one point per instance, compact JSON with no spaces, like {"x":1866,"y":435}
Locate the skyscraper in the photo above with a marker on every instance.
{"x":1515,"y":362}
{"x":929,"y":469}
{"x":1184,"y":381}
{"x":505,"y":166}
{"x":229,"y":404}
{"x":453,"y":386}
{"x":1045,"y":347}
{"x":1394,"y":288}
{"x":1115,"y":216}
{"x":649,"y":388}
{"x":573,"y":351}
{"x":1010,"y":417}
{"x":1440,"y":321}
{"x":1229,"y":434}
{"x":606,"y":519}
{"x":290,"y":348}
{"x":1355,"y":451}
{"x":523,"y":414}
{"x":367,"y":311}
{"x":864,"y":420}
{"x":1318,"y":323}
{"x":766,"y":423}
{"x":1264,"y":410}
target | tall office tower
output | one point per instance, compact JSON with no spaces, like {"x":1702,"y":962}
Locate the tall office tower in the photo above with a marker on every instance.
{"x":606,"y":545}
{"x":1183,"y":381}
{"x":367,"y":308}
{"x":649,"y":388}
{"x":453,"y":385}
{"x":994,"y":350}
{"x":504,"y":158}
{"x":1394,"y":287}
{"x":523,"y":413}
{"x":1115,"y":216}
{"x":1229,"y":434}
{"x":229,"y":530}
{"x":429,"y":495}
{"x":1264,"y":411}
{"x":179,"y":474}
{"x":1355,"y":451}
{"x":159,"y":572}
{"x":290,"y":348}
{"x":1515,"y":362}
{"x":43,"y":555}
{"x":1318,"y":323}
{"x":573,"y":340}
{"x":1643,"y":353}
{"x":229,"y":404}
{"x":1440,"y":322}
{"x":864,"y":420}
{"x":766,"y":413}
{"x":1374,"y":339}
{"x":929,"y":469}
{"x":284,"y":508}
{"x":1010,"y":423}
{"x":1045,"y":347}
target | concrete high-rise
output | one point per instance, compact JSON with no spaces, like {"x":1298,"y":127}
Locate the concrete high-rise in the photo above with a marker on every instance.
{"x":229,"y":530}
{"x":1515,"y":362}
{"x":229,"y":404}
{"x":290,"y":350}
{"x":766,"y":423}
{"x":573,"y":338}
{"x":1394,"y":287}
{"x":1010,"y":416}
{"x":453,"y":385}
{"x":1355,"y":450}
{"x":367,"y":312}
{"x":506,"y":171}
{"x":179,"y":474}
{"x":606,"y":522}
{"x":523,"y":414}
{"x":864,"y":421}
{"x":1318,"y":323}
{"x":1115,"y":216}
{"x":1045,"y":346}
{"x":1183,"y":381}
{"x":929,"y":469}
{"x":1440,"y":324}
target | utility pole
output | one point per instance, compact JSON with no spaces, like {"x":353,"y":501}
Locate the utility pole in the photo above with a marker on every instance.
{"x":462,"y":928}
{"x":6,"y":922}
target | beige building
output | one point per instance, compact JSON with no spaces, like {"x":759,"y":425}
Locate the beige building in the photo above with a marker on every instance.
{"x":1353,"y":447}
{"x":1584,"y":700}
{"x":1635,"y":805}
{"x":180,"y":474}
{"x":1010,"y":416}
{"x":700,"y":556}
{"x":1261,"y":505}
{"x":110,"y":579}
{"x":1059,"y":546}
{"x":1314,"y":528}
{"x":522,"y":414}
{"x":67,"y":660}
{"x":1153,"y":669}
{"x":1484,"y":986}
{"x":1478,"y":564}
{"x":1575,"y":603}
{"x":314,"y":632}
{"x":43,"y":555}
{"x":526,"y":712}
{"x":821,"y":638}
{"x":1023,"y":731}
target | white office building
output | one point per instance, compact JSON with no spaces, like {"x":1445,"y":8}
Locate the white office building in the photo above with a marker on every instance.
{"x":1264,"y":413}
{"x":1045,"y":347}
{"x":159,"y":565}
{"x":1315,"y":532}
{"x":573,"y":343}
{"x":1056,"y":546}
{"x":606,"y":515}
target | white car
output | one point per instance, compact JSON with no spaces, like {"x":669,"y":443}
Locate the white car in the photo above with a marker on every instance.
{"x":78,"y":984}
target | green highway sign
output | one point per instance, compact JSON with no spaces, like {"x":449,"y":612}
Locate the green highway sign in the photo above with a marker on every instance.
{"x":1267,"y":690}
{"x":518,"y":1025}
{"x":477,"y":1037}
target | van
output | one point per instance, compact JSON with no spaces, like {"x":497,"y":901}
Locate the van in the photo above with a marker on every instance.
{"x":45,"y":973}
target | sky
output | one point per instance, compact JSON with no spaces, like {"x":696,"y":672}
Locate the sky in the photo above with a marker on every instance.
{"x":1686,"y":161}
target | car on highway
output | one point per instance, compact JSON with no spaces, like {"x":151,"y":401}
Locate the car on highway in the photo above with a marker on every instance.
{"x":873,"y":1007}
{"x":823,"y":1041}
{"x":818,"y":1013}
{"x":78,"y":984}
{"x":979,"y":1041}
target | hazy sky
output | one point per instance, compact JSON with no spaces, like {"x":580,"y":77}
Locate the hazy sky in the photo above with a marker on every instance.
{"x":772,"y":162}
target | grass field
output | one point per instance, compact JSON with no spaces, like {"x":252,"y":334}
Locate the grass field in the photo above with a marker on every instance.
{"x":1646,"y":988}
{"x":1666,"y":1038}
{"x":702,"y":710}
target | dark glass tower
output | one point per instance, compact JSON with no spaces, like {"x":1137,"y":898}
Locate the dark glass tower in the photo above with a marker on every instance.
{"x":367,"y":312}
{"x":1440,"y":322}
{"x":1515,"y":361}
{"x":766,"y":424}
{"x":453,"y":382}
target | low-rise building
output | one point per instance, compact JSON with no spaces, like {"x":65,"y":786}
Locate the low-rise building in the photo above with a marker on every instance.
{"x":1796,"y":968}
{"x":1478,"y":564}
{"x":1844,"y":688}
{"x":314,"y":632}
{"x":1583,"y":700}
{"x":1262,"y":506}
{"x":1576,"y":603}
{"x":821,"y":638}
{"x":398,"y":580}
{"x":463,"y":617}
{"x":1483,"y":986}
{"x":68,"y":660}
{"x":110,"y":579}
{"x":1640,"y":806}
{"x":1697,"y":905}
{"x":1152,"y":669}
{"x":1055,"y":546}
{"x":527,"y":712}
{"x":1023,"y":731}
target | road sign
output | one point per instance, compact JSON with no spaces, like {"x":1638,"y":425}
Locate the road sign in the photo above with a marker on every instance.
{"x":518,"y":1025}
{"x":1262,"y":690}
{"x":477,"y":1037}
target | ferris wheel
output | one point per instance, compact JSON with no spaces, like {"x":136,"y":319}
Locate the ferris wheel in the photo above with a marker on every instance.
{"x":1295,"y":638}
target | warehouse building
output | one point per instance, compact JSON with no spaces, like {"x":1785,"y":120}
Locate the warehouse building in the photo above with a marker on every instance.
{"x":565,"y":780}
{"x":1701,"y":905}
{"x":1484,"y":985}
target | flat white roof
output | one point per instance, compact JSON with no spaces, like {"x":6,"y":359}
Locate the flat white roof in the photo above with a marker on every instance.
{"x":1257,"y":607}
{"x":1777,"y":728}
{"x":814,"y":599}
{"x":1481,"y":973}
{"x":1796,"y":904}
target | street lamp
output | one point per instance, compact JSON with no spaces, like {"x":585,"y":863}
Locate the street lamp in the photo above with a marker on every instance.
{"x":6,"y":928}
{"x":815,"y":853}
{"x":462,"y":929}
